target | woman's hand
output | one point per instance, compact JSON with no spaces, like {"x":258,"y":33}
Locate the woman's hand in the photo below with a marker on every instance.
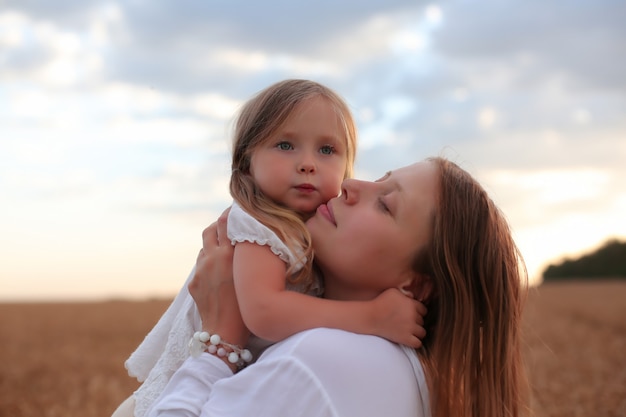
{"x":212,"y":286}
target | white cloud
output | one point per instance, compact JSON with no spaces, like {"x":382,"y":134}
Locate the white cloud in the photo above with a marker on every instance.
{"x":434,"y":14}
{"x":582,"y":116}
{"x":12,"y":29}
{"x":214,"y":105}
{"x":487,"y":117}
{"x":45,"y":54}
{"x":559,"y":186}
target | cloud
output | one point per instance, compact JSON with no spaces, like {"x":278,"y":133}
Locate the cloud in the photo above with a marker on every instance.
{"x":218,"y":45}
{"x":122,"y":111}
{"x":582,"y":41}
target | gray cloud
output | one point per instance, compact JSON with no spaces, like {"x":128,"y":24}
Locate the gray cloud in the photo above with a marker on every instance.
{"x":533,"y":64}
{"x":68,"y":12}
{"x":280,"y":26}
{"x":165,"y":45}
{"x":25,"y":59}
{"x":584,"y":40}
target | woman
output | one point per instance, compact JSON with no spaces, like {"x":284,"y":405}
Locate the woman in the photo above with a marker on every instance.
{"x":427,"y":229}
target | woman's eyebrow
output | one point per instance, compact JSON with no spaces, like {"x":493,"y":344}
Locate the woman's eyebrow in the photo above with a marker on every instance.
{"x":384,"y":177}
{"x":391,"y":183}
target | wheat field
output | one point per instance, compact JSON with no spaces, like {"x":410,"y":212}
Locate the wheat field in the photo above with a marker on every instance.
{"x":66,"y":359}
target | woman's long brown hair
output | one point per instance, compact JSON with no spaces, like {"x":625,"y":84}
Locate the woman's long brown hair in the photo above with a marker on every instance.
{"x":260,"y":117}
{"x":472,"y":351}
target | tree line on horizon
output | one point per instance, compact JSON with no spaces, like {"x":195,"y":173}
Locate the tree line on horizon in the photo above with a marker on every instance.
{"x":608,"y":261}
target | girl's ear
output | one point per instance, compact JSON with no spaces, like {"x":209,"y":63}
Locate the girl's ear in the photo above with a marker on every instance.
{"x":420,"y":287}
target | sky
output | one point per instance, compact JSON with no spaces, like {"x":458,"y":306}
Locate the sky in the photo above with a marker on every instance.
{"x":115,"y":121}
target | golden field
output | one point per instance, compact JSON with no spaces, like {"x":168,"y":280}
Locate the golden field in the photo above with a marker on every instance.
{"x":66,"y":359}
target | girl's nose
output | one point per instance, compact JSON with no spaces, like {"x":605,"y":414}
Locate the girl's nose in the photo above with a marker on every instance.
{"x":306,"y":168}
{"x":307,"y":165}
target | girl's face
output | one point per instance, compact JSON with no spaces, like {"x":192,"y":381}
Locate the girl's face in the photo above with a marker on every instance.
{"x":366,"y":239}
{"x":303,"y":163}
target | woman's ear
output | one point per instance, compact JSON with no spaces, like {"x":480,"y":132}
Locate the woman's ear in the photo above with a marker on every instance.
{"x":420,"y":287}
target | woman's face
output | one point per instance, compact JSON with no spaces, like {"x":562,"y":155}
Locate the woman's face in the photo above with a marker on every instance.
{"x":366,"y":239}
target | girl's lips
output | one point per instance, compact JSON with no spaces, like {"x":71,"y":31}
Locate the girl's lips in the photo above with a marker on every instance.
{"x":326,"y":211}
{"x":305,"y":188}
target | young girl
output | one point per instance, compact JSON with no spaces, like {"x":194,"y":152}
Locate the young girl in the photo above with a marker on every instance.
{"x":294,"y":144}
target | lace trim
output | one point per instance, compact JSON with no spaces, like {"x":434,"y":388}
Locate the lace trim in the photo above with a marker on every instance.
{"x":263,"y":242}
{"x":163,"y":350}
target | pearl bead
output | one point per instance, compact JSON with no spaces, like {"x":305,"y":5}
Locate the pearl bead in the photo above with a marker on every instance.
{"x":215,"y":339}
{"x":216,"y":346}
{"x":246,"y":355}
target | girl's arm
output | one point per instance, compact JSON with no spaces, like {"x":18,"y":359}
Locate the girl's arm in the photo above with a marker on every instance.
{"x":274,"y":313}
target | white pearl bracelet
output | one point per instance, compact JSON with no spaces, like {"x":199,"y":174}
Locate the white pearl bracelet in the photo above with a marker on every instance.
{"x":213,"y":344}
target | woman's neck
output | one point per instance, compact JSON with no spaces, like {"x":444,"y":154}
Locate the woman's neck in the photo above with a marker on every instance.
{"x":334,"y":289}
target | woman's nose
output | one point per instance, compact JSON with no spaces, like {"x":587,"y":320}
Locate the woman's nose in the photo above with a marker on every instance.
{"x":350,"y":190}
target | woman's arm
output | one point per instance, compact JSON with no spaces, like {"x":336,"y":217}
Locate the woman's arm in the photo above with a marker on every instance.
{"x":205,"y":387}
{"x":318,"y":373}
{"x":274,"y":313}
{"x":213,"y":290}
{"x":190,"y":387}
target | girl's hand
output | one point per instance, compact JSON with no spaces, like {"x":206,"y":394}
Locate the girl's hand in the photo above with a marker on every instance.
{"x":399,"y":318}
{"x":212,"y":286}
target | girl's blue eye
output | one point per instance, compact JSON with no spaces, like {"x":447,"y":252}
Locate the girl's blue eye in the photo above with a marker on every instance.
{"x":327,"y":150}
{"x":284,"y":146}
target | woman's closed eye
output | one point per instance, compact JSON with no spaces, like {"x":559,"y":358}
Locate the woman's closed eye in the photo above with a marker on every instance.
{"x":383,"y":205}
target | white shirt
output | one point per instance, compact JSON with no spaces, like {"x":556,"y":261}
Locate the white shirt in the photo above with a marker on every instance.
{"x":316,"y":373}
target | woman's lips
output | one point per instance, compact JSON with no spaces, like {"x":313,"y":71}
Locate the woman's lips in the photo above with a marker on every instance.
{"x":326,"y":211}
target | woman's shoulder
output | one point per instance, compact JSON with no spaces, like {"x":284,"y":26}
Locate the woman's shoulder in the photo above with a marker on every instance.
{"x":339,"y":346}
{"x":356,"y":370}
{"x":310,"y":342}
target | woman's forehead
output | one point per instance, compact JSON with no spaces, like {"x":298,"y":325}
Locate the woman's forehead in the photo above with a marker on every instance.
{"x":413,"y":174}
{"x":416,"y":184}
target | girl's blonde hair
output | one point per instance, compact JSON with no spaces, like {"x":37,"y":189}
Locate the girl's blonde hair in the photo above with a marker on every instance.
{"x":258,"y":120}
{"x":472,"y":348}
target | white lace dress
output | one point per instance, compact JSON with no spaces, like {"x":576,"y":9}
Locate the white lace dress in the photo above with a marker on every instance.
{"x":165,"y":348}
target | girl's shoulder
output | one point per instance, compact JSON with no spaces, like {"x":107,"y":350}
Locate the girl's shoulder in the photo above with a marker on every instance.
{"x":242,"y":227}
